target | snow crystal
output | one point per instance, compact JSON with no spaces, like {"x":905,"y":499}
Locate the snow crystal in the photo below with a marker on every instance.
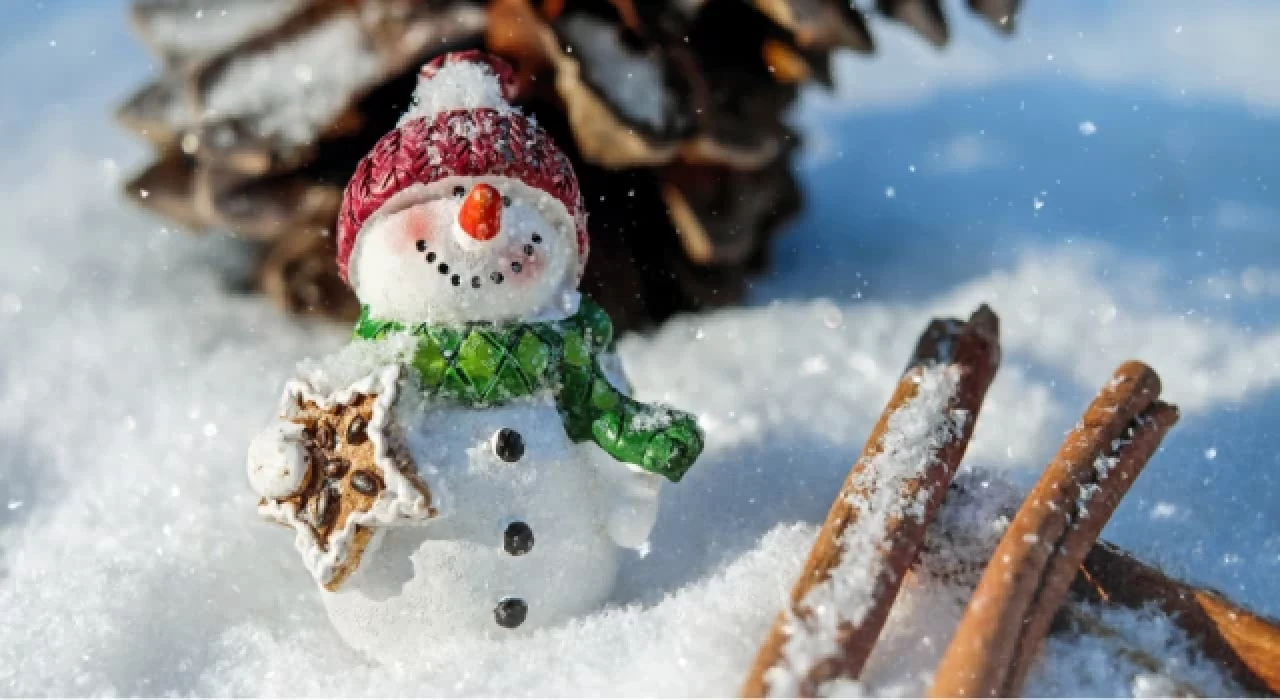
{"x":1088,"y":128}
{"x":282,"y":102}
{"x":652,"y":419}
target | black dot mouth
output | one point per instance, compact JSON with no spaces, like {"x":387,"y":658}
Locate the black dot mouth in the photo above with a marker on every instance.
{"x":477,"y":281}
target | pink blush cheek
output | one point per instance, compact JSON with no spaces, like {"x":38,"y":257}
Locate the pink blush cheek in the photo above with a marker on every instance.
{"x":531,"y":272}
{"x":408,"y":227}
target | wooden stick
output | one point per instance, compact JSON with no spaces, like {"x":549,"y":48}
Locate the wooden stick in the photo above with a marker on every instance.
{"x":1245,"y":644}
{"x":1113,"y":482}
{"x":967,"y":352}
{"x":1023,"y":586}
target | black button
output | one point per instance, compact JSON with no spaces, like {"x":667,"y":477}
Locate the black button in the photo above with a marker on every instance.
{"x":517,"y":539}
{"x":510,"y":612}
{"x":508,"y":445}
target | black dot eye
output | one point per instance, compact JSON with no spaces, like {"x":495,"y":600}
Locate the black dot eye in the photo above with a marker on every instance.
{"x":459,"y":191}
{"x":456,"y":280}
{"x":516,"y":266}
{"x":537,"y":238}
{"x":475,"y":282}
{"x":496,"y":277}
{"x":444,"y":268}
{"x":528,"y":249}
{"x":517,"y":539}
{"x":510,"y":612}
{"x":506,"y":201}
{"x":508,"y":445}
{"x":431,"y":257}
{"x":422,"y":246}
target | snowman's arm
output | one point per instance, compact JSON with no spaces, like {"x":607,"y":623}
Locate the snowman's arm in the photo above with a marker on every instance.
{"x":631,"y":495}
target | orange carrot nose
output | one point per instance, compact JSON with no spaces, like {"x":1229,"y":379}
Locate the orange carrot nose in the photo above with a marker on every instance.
{"x":481,"y":213}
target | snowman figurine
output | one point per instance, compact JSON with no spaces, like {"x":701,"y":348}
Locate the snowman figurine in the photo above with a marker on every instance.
{"x":472,"y":462}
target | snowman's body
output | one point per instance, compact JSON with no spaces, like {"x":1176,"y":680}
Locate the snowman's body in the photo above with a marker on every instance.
{"x":452,"y":574}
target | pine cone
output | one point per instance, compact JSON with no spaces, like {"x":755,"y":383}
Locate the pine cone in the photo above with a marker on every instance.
{"x":671,"y":111}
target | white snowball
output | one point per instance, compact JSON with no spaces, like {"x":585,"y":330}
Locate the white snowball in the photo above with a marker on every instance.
{"x":277,"y":461}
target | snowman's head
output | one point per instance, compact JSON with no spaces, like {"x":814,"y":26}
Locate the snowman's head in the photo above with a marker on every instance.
{"x":467,"y":210}
{"x":481,"y":248}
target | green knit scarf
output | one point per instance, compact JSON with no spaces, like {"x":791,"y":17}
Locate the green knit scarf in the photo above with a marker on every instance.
{"x":483,"y":364}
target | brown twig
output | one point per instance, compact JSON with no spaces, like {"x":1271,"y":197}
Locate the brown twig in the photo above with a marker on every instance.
{"x":1094,"y":511}
{"x":970,"y":353}
{"x":1245,"y":644}
{"x":1027,"y":578}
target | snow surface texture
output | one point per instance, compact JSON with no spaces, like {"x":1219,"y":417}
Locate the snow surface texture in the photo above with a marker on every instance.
{"x":294,"y":90}
{"x":131,"y":559}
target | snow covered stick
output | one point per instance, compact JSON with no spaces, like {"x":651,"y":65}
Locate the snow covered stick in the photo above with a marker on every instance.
{"x":874,"y":530}
{"x":1244,"y":643}
{"x":1031,"y":569}
{"x":1115,"y":473}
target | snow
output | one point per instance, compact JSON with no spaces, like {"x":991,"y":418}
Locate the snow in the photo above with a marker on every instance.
{"x":131,"y":558}
{"x":461,"y":85}
{"x":635,"y":83}
{"x":204,"y":28}
{"x":294,"y":90}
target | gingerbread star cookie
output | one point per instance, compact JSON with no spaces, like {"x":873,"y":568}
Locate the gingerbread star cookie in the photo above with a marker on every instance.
{"x":335,"y":471}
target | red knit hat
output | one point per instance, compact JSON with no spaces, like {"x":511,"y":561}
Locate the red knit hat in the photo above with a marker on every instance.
{"x":460,"y":124}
